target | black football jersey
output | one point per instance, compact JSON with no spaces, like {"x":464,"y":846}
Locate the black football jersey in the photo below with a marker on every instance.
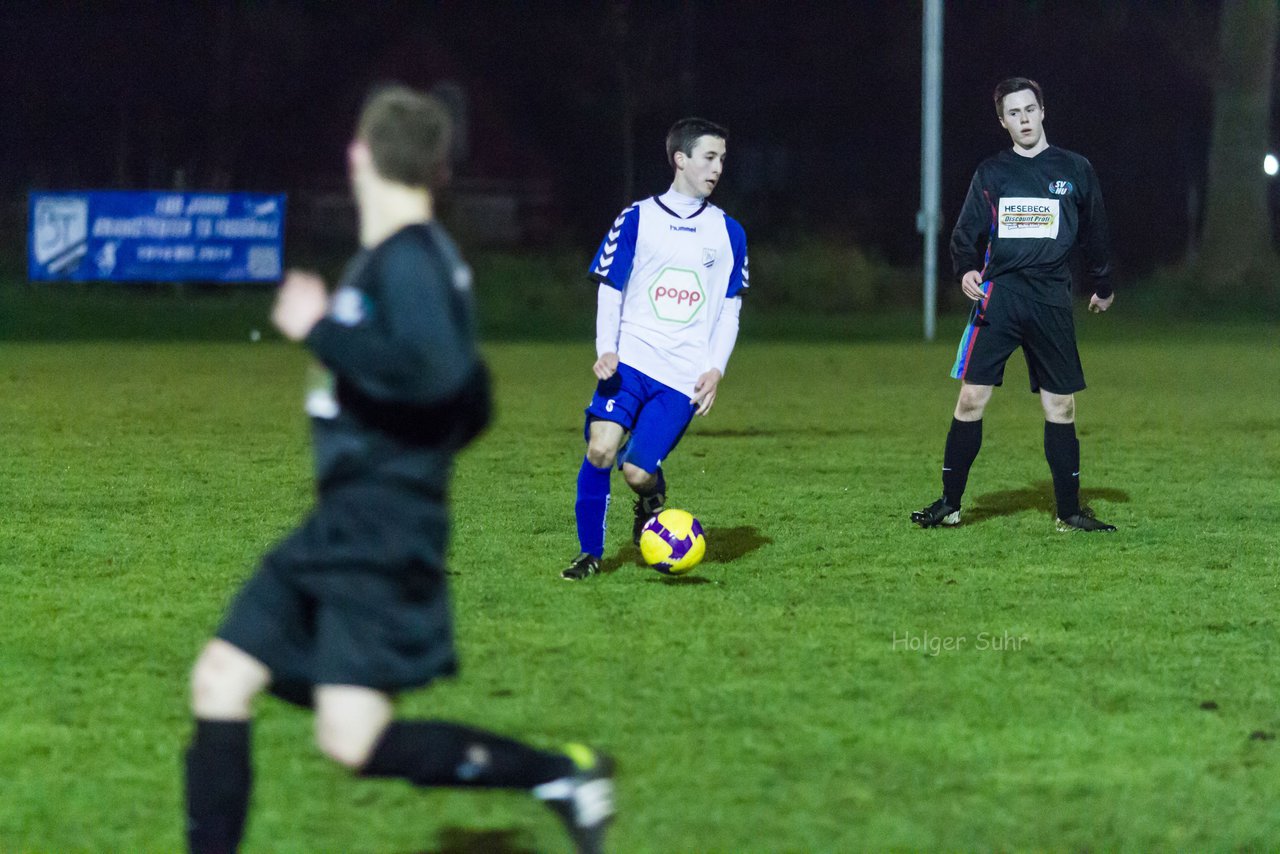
{"x":409,"y":387}
{"x":1022,"y":218}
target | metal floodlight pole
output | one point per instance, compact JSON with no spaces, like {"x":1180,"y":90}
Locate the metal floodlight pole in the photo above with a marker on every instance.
{"x":927,"y":219}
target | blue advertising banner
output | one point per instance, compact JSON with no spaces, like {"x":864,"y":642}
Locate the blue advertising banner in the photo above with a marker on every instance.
{"x":155,"y":236}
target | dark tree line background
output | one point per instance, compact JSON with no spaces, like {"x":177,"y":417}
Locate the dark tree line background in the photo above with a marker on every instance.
{"x":822,"y":99}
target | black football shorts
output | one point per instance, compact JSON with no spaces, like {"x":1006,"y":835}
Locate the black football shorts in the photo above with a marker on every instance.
{"x":1004,"y":321}
{"x":356,"y":595}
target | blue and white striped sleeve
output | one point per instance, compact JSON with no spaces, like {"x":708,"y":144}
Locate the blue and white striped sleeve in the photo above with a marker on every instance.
{"x":617,"y":252}
{"x":740,"y":276}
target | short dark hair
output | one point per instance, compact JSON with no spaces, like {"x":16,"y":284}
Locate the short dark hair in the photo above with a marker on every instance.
{"x":685,"y":133}
{"x":408,"y":133}
{"x":1015,"y":84}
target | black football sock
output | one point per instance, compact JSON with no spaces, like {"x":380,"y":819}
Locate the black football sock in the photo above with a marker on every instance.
{"x":1062,"y":450}
{"x":435,"y":753}
{"x":219,"y":776}
{"x":963,"y":441}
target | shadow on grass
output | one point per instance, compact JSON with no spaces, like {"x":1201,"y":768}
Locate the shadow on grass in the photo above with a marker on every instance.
{"x":779,"y":432}
{"x":678,"y":580}
{"x":462,"y":840}
{"x":724,"y":545}
{"x":1038,"y":496}
{"x":628,"y":555}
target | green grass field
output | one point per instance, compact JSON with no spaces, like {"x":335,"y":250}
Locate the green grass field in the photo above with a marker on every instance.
{"x":1098,"y":692}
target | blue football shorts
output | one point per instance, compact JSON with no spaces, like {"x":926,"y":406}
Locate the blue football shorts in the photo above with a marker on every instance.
{"x":656,"y":415}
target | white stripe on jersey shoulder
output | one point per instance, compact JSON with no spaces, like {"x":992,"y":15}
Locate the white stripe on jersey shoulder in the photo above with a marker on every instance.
{"x":611,"y":242}
{"x":617,"y":223}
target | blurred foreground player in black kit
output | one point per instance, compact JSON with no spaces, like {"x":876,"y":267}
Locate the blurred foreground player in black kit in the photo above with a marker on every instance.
{"x":1027,"y":208}
{"x":352,"y":607}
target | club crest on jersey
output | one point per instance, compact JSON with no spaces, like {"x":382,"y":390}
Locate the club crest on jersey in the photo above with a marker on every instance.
{"x":1060,"y":188}
{"x":348,"y":306}
{"x":462,"y":277}
{"x":708,"y":257}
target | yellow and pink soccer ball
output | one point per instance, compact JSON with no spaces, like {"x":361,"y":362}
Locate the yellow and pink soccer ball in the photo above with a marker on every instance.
{"x":672,"y":542}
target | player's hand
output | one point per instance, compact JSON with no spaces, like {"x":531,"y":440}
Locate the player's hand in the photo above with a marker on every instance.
{"x":1098,"y":305}
{"x":606,"y":366}
{"x":300,"y":303}
{"x":704,"y":393}
{"x":971,"y":284}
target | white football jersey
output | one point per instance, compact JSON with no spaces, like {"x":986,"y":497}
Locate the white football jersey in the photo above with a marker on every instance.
{"x":676,"y":260}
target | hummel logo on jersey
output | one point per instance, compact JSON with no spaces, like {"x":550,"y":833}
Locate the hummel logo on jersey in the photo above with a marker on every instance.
{"x":692,"y":228}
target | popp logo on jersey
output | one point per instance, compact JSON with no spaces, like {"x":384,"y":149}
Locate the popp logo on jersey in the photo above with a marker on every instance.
{"x":676,"y":295}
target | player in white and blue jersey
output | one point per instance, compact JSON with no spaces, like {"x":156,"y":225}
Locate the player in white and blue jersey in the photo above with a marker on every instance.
{"x":671,"y":274}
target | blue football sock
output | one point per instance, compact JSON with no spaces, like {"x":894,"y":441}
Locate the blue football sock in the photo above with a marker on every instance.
{"x":592,"y":507}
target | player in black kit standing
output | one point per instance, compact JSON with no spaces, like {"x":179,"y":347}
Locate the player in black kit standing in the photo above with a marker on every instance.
{"x":352,"y":607}
{"x":1027,"y":208}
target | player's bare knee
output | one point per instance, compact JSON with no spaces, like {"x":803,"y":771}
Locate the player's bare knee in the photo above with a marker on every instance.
{"x":1059,"y":408}
{"x":639,"y":479}
{"x":349,"y":722}
{"x":972,"y":402}
{"x":602,"y":454}
{"x":346,"y":739}
{"x":224,"y":682}
{"x":337,"y":742}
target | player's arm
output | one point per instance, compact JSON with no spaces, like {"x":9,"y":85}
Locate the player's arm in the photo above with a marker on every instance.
{"x":300,"y":303}
{"x":1096,"y":244}
{"x":610,"y":269}
{"x":608,"y":327}
{"x":969,"y":239}
{"x":411,"y":348}
{"x":724,"y":334}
